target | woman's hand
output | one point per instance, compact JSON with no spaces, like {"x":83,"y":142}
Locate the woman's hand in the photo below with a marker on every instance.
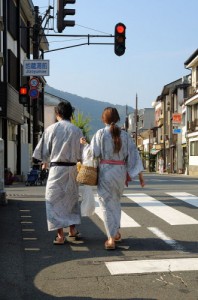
{"x":44,"y":166}
{"x":83,"y":141}
{"x":141,"y":179}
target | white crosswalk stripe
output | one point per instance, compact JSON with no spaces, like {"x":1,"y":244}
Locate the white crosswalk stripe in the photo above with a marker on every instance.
{"x":186,"y":197}
{"x":166,"y":213}
{"x":161,"y":210}
{"x":152,"y":266}
{"x":168,"y":240}
{"x":126,"y":221}
{"x":158,"y":208}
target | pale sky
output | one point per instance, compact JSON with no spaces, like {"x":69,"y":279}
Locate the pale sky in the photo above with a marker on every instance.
{"x":160,"y":36}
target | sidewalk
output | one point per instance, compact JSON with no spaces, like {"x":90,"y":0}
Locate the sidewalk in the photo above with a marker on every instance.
{"x":11,"y":279}
{"x":13,"y":282}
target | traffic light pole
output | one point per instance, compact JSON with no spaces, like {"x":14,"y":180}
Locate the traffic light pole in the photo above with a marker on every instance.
{"x":35,"y":41}
{"x":83,"y":44}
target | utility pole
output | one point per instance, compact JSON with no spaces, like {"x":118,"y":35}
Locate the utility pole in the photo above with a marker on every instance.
{"x":136,"y":118}
{"x":35,"y":104}
{"x":126,"y":120}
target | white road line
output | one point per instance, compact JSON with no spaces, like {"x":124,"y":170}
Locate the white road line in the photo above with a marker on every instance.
{"x":186,"y":197}
{"x":161,"y":210}
{"x":125,"y":222}
{"x":174,"y":244}
{"x":152,"y":266}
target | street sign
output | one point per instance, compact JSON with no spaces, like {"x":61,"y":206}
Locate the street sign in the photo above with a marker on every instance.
{"x":34,"y":82}
{"x":177,"y":118}
{"x":34,"y":93}
{"x":177,"y":130}
{"x":36,"y":67}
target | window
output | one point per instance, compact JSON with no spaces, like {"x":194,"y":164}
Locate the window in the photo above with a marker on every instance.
{"x":24,"y":41}
{"x":196,"y":111}
{"x":12,"y":69}
{"x":12,"y":19}
{"x":194,"y":148}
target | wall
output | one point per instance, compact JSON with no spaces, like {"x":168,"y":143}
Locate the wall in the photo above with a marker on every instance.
{"x":49,"y":116}
{"x":12,"y":154}
{"x":26,"y":159}
{"x":193,"y":160}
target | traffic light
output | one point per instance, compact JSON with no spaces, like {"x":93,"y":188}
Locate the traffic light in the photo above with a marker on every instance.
{"x":119,"y":39}
{"x":23,"y":95}
{"x":62,"y":12}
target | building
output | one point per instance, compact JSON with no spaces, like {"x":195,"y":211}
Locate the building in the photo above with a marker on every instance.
{"x":18,"y":123}
{"x":191,"y":104}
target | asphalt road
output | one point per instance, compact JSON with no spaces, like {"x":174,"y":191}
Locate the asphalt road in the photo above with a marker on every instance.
{"x":157,"y":258}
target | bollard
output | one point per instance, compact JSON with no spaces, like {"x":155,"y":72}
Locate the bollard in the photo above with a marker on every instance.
{"x":3,"y":200}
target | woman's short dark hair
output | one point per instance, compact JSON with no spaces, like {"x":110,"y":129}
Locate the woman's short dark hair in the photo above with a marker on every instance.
{"x":64,"y":110}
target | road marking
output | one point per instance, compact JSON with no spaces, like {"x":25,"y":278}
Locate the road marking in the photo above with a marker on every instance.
{"x":125,"y":221}
{"x":32,"y":249}
{"x":29,"y":239}
{"x":26,"y":222}
{"x":160,"y":234}
{"x":186,"y":197}
{"x":152,"y":266}
{"x":161,"y":210}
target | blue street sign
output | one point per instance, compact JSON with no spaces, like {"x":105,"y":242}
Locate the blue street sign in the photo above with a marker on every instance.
{"x":177,"y":130}
{"x":34,"y":93}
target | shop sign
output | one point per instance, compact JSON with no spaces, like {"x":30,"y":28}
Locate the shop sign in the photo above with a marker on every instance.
{"x":176,"y":118}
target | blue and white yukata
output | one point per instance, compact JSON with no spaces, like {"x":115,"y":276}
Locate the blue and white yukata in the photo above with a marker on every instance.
{"x":61,"y":143}
{"x":112,"y":177}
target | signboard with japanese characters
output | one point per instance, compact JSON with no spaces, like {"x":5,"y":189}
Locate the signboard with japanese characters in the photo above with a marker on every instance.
{"x":36,"y":67}
{"x":176,"y":118}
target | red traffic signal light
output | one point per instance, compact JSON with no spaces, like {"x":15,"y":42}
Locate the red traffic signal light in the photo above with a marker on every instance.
{"x":119,"y":39}
{"x":23,"y":95}
{"x":62,"y":12}
{"x":23,"y":90}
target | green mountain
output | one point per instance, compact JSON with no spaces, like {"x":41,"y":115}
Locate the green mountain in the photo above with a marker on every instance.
{"x":89,"y":107}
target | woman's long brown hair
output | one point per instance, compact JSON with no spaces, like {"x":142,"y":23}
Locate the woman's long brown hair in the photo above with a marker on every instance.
{"x":110,"y":116}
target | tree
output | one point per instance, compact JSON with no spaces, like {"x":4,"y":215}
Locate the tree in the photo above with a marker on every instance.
{"x":83,"y":123}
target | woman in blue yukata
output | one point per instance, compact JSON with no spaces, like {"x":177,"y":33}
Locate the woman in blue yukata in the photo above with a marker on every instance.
{"x":118,"y":156}
{"x":60,"y":147}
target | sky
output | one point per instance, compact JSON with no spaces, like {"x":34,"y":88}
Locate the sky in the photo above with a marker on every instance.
{"x":160,"y":37}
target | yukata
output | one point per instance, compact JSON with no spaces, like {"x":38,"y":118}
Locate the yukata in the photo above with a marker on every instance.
{"x":161,"y":165}
{"x":112,"y":177}
{"x":61,"y":143}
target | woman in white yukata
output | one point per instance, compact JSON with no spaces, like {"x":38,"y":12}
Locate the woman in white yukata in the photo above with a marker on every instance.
{"x":118,"y":155}
{"x":60,"y":146}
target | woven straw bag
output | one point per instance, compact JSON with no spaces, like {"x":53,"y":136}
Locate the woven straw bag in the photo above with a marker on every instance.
{"x":87,"y":175}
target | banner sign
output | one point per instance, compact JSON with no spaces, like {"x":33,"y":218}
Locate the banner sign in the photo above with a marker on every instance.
{"x":36,"y":67}
{"x":176,"y":118}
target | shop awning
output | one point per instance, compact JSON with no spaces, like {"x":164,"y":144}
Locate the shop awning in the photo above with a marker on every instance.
{"x":154,"y":151}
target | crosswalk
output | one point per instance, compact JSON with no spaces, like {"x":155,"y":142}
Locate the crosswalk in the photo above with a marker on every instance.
{"x":166,"y":213}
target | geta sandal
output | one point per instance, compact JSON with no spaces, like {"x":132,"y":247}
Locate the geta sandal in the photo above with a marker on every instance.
{"x":118,"y":237}
{"x":109,"y":246}
{"x":75,"y":235}
{"x":58,"y":242}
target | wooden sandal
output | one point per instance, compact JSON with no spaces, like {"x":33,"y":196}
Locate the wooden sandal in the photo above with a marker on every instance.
{"x":109,"y":246}
{"x":58,"y":242}
{"x":118,"y":237}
